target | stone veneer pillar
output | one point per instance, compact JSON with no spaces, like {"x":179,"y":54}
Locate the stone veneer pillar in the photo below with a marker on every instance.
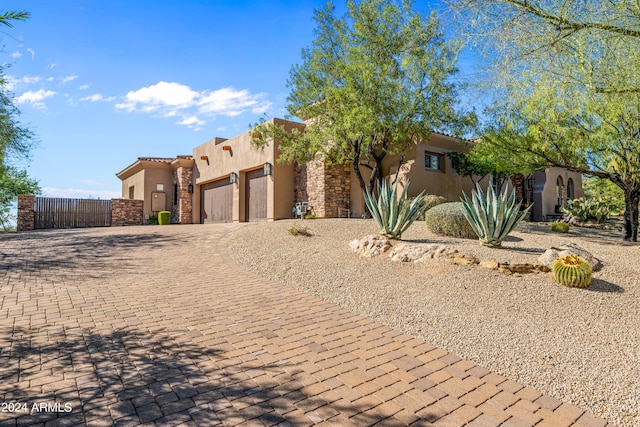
{"x":26,"y":213}
{"x":325,"y":187}
{"x":182,"y":211}
{"x":126,"y":212}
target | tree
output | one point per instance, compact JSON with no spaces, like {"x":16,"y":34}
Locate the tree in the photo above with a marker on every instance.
{"x":565,"y":84}
{"x":16,"y":141}
{"x":374,"y":82}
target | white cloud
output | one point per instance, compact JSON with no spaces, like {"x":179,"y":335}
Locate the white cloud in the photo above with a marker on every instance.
{"x":32,"y":52}
{"x":35,"y":98}
{"x":96,"y":97}
{"x":80,"y":193}
{"x":170,"y":99}
{"x":67,"y":79}
{"x":14,"y":82}
{"x":84,"y":87}
{"x":192,"y":122}
{"x":16,"y":54}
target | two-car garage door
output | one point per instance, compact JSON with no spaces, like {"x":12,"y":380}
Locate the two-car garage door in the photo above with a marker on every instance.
{"x":217,"y":199}
{"x":216,"y":202}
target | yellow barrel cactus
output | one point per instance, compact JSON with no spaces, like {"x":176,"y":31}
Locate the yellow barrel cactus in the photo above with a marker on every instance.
{"x":572,"y":271}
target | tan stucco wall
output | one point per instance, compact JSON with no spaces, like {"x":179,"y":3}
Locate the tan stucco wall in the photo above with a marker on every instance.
{"x":242,"y":158}
{"x":446,"y":183}
{"x":549,"y":192}
{"x":145,"y":181}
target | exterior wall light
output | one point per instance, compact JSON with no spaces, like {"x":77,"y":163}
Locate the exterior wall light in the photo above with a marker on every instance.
{"x":268,"y":168}
{"x":190,"y":188}
{"x":233,"y":177}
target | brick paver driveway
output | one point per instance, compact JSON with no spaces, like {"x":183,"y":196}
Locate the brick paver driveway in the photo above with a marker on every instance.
{"x":158,"y":326}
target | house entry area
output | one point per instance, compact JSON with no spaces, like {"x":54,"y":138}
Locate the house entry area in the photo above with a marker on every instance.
{"x":217,"y":202}
{"x":256,"y":195}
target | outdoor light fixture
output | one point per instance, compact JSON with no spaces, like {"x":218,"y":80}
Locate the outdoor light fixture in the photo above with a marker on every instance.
{"x":233,"y":177}
{"x":190,"y":188}
{"x":268,"y":168}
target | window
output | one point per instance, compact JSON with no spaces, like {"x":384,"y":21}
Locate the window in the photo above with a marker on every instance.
{"x":175,"y":194}
{"x":433,"y":161}
{"x":132,"y":192}
{"x":559,"y":191}
{"x":570,"y":191}
{"x":159,"y":187}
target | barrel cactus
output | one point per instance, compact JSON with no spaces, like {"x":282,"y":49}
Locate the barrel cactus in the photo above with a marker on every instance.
{"x":572,"y":271}
{"x":560,"y":227}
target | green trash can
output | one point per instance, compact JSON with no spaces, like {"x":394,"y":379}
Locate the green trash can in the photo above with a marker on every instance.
{"x":164,"y":217}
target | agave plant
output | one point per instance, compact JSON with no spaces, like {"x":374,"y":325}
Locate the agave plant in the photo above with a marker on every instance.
{"x":492,"y":217}
{"x":390,"y":212}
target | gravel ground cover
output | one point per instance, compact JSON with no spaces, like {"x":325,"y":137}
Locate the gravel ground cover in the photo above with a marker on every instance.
{"x":579,"y":345}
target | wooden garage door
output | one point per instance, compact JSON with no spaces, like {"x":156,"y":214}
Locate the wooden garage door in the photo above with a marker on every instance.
{"x":216,"y":202}
{"x":256,"y":195}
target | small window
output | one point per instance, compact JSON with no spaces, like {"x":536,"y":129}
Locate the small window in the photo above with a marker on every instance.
{"x":433,"y":161}
{"x":132,"y":192}
{"x":175,"y":194}
{"x":570,"y":190}
{"x":159,"y":187}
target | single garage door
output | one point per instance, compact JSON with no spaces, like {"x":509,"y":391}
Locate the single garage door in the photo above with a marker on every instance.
{"x":217,"y":202}
{"x":256,"y":196}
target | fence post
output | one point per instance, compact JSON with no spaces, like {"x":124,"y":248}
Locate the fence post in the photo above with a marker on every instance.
{"x":26,"y":215}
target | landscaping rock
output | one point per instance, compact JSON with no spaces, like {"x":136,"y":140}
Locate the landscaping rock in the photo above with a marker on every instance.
{"x":415,"y":252}
{"x":370,"y":246}
{"x":491,"y":264}
{"x":554,"y":253}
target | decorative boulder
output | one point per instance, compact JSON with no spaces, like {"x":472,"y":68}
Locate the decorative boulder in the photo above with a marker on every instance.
{"x":370,"y":246}
{"x":552,"y":254}
{"x":416,"y":252}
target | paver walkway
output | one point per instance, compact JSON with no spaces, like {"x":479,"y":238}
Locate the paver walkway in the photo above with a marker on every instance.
{"x":158,"y":326}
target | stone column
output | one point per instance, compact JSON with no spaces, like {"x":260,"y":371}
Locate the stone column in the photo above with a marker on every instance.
{"x":26,"y":213}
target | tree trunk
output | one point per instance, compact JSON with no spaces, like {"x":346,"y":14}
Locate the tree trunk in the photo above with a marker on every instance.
{"x":631,"y":201}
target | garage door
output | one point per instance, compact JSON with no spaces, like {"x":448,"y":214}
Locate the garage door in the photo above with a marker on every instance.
{"x":256,"y":196}
{"x":217,"y":202}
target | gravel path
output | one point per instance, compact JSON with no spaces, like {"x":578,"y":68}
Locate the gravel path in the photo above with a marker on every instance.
{"x":579,"y":345}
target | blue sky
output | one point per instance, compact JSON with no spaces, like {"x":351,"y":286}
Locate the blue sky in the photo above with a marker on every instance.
{"x":104,"y":82}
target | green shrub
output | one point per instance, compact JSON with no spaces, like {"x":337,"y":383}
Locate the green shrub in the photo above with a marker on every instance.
{"x":393,"y":214}
{"x":447,"y":219}
{"x":588,"y":209}
{"x":429,"y":201}
{"x":492,"y":216}
{"x":560,"y":227}
{"x":164,"y":217}
{"x":300,"y":230}
{"x":310,"y":216}
{"x":153,"y":220}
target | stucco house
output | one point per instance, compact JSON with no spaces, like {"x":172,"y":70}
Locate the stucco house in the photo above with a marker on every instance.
{"x":229,"y":180}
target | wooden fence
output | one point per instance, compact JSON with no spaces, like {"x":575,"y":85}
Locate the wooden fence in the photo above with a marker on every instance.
{"x":51,"y":212}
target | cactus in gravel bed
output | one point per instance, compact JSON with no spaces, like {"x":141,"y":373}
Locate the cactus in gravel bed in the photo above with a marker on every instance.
{"x":390,"y":212}
{"x":572,"y":271}
{"x":492,"y":217}
{"x":560,"y":227}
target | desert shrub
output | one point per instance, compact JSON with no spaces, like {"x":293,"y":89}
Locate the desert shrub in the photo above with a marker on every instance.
{"x":447,"y":219}
{"x":606,"y":191}
{"x":588,"y":209}
{"x":429,"y":201}
{"x":560,"y":227}
{"x":310,"y":216}
{"x":153,"y":220}
{"x":300,"y":230}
